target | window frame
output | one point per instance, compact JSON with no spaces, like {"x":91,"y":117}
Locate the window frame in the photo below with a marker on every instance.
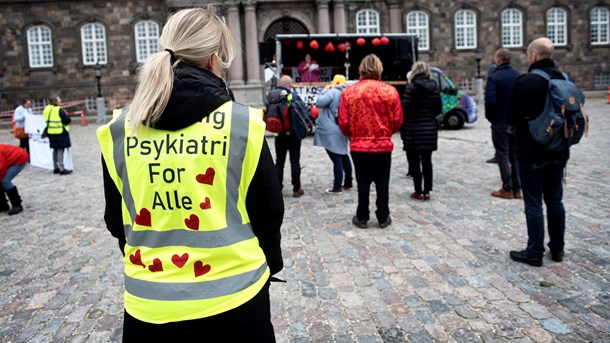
{"x":419,"y":28}
{"x":39,"y":46}
{"x":464,"y":27}
{"x":147,"y":39}
{"x":95,"y":41}
{"x":511,"y":26}
{"x":605,"y":40}
{"x":367,"y":27}
{"x":556,"y":24}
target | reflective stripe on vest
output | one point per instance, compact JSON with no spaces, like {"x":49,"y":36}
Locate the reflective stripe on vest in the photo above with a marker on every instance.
{"x":51,"y":115}
{"x":184,"y":292}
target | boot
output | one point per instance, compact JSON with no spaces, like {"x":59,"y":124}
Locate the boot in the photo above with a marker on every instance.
{"x":3,"y":203}
{"x":15,"y":199}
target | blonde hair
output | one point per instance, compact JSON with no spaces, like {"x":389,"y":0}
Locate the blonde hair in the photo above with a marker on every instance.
{"x":194,"y":36}
{"x":370,"y":67}
{"x":420,"y":67}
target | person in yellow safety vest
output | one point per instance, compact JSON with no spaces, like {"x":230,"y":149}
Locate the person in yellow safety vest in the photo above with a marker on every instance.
{"x":192,"y":195}
{"x":59,"y":133}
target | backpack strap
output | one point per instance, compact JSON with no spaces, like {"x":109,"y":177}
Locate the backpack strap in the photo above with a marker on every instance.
{"x":542,"y":74}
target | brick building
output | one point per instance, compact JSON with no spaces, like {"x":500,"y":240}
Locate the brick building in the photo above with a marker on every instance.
{"x":54,"y":46}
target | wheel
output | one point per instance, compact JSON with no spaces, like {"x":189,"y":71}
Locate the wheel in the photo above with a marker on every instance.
{"x":453,"y":120}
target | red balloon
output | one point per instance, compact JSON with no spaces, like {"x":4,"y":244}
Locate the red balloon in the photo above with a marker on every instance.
{"x":375,"y":41}
{"x":313,"y":44}
{"x":360,"y":41}
{"x":385,"y":40}
{"x":329,"y":47}
{"x":299,"y":44}
{"x":341,"y":47}
{"x":315,"y":112}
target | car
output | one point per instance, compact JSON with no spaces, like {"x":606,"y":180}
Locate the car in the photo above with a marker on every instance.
{"x":458,"y":107}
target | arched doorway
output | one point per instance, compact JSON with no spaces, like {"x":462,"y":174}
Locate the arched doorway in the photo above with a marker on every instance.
{"x":285,"y":25}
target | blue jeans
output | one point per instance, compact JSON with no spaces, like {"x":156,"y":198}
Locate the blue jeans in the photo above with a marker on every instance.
{"x":11,"y":172}
{"x":543,"y":180}
{"x":341,"y":163}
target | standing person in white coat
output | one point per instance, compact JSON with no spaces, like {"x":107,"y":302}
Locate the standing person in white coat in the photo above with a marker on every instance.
{"x":329,"y":136}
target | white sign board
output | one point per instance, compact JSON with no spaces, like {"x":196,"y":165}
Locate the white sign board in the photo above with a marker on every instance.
{"x":41,"y":154}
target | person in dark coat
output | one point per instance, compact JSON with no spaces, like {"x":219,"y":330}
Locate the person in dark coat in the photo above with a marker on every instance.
{"x":499,"y":85}
{"x":59,"y":135}
{"x":421,"y":104}
{"x":541,"y":171}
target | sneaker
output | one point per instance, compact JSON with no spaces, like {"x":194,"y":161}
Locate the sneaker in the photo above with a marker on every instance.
{"x":386,"y":223}
{"x":518,"y":195}
{"x":525,"y":257}
{"x":501,"y":193}
{"x":335,"y":191}
{"x":557,"y":256}
{"x":417,"y":196}
{"x":359,"y":223}
{"x":426,"y":197}
{"x":298,"y":193}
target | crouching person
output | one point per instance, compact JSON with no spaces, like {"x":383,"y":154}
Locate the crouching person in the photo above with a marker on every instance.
{"x":12,"y":161}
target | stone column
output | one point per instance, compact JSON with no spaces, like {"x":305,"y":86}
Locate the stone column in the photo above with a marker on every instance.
{"x":339,"y":16}
{"x":234,"y":23}
{"x":323,"y":19}
{"x":252,"y":60}
{"x":395,"y":18}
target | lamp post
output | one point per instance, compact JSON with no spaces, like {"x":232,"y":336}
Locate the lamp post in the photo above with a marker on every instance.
{"x":99,"y":102}
{"x":478,"y":54}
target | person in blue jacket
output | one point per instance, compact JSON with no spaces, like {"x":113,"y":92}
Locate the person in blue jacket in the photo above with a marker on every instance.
{"x":329,"y":136}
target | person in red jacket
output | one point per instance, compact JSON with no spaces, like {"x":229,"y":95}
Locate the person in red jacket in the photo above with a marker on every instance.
{"x":369,"y":113}
{"x":12,"y":160}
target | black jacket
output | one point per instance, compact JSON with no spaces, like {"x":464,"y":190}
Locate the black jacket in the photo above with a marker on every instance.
{"x":497,"y":92}
{"x":421,"y":103}
{"x":526,"y":102}
{"x":196,"y":93}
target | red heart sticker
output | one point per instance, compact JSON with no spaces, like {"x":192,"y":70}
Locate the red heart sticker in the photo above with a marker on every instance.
{"x":192,"y":222}
{"x":157,"y":266}
{"x":200,"y":269}
{"x":137,"y":259}
{"x":208,"y":177}
{"x":206,"y":205}
{"x":143,"y":218}
{"x":180,"y":261}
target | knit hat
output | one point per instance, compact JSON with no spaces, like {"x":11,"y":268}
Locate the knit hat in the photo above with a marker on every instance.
{"x":338,"y":80}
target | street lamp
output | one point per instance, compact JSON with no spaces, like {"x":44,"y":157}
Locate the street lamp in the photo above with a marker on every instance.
{"x":99,"y":102}
{"x":98,"y":76}
{"x":478,"y":54}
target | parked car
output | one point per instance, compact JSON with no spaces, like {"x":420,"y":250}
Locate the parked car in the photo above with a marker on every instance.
{"x":458,"y":107}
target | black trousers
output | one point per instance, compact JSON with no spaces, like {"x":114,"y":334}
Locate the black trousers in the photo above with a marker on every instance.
{"x":420,"y":166}
{"x":250,"y":322}
{"x":285,"y":144}
{"x":373,"y":167}
{"x":505,"y":144}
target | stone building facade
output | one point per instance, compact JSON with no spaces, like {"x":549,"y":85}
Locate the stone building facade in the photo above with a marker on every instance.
{"x":455,"y":34}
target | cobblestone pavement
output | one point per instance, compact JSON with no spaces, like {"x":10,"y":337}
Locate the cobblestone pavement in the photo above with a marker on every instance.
{"x":439,"y":273}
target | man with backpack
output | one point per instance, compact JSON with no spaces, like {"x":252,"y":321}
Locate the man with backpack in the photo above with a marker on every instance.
{"x":281,"y":102}
{"x":541,"y":170}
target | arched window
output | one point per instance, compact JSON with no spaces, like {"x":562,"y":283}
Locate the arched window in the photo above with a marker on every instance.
{"x":512,"y":28}
{"x":93,"y":37}
{"x":147,"y":39}
{"x":285,"y":25}
{"x":417,"y":24}
{"x":367,"y":21}
{"x":557,"y":26}
{"x":40,"y":47}
{"x":600,"y":21}
{"x":465,"y":29}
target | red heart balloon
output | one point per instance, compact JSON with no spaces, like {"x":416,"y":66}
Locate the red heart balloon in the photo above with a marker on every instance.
{"x":299,"y":44}
{"x":329,"y":47}
{"x":375,"y":41}
{"x":360,"y":41}
{"x":314,"y":44}
{"x":341,"y":47}
{"x":385,"y":40}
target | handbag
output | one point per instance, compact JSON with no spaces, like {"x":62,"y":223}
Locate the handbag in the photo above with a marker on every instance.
{"x":20,"y":133}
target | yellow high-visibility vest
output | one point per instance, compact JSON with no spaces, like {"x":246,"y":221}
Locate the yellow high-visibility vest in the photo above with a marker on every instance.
{"x":191,"y":252}
{"x":51,"y":115}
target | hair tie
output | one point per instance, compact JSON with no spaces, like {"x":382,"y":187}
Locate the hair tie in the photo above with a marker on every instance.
{"x":171,"y":53}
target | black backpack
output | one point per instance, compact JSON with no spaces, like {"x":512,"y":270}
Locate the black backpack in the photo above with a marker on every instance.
{"x":277,"y":114}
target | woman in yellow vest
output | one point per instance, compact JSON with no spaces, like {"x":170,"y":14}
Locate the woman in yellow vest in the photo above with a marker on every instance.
{"x":192,"y":195}
{"x":59,"y":133}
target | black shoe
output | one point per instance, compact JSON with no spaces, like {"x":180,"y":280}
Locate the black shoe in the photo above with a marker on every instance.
{"x":386,"y":223}
{"x":15,"y":210}
{"x":65,"y":172}
{"x":525,"y":257}
{"x":492,"y":160}
{"x":557,"y":256}
{"x":55,"y":171}
{"x":359,"y":223}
